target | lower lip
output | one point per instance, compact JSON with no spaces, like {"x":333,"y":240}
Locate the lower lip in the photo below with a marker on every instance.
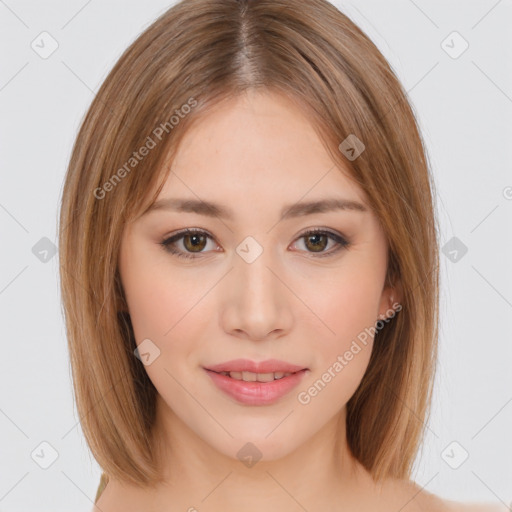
{"x":256,"y":393}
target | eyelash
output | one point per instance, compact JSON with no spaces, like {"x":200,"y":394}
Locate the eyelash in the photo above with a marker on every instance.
{"x":167,"y":243}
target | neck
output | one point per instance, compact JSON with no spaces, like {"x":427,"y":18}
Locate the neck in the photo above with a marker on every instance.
{"x":321,"y":469}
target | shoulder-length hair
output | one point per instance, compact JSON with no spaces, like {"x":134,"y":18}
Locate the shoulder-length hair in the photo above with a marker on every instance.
{"x":195,"y":55}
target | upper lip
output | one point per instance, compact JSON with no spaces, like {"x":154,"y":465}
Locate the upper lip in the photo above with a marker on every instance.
{"x":246,"y":365}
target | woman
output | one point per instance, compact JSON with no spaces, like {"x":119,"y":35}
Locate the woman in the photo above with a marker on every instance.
{"x":249,"y":268}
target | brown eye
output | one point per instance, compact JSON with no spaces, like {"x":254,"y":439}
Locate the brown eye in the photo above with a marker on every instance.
{"x":194,"y":242}
{"x":316,"y":242}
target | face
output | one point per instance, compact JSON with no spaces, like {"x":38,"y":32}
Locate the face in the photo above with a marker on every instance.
{"x":262,"y":277}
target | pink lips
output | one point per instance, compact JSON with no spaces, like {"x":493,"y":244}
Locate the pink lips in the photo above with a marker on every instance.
{"x":256,"y":393}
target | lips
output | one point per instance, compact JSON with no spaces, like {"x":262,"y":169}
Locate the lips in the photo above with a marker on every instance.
{"x":256,"y":383}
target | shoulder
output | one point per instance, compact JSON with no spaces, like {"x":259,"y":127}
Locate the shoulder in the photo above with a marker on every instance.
{"x":417,"y":499}
{"x":457,"y":506}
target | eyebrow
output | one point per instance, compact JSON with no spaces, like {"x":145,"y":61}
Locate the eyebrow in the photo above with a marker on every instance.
{"x":210,"y":209}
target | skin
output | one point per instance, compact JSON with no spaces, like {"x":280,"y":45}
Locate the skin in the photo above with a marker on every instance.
{"x":288,"y":304}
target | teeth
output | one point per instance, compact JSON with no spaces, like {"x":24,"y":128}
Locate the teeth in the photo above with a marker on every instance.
{"x":253,"y":377}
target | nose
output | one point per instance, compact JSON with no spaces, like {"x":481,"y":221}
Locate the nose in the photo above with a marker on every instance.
{"x":256,"y":304}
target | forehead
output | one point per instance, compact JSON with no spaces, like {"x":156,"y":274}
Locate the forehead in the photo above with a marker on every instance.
{"x":258,"y":145}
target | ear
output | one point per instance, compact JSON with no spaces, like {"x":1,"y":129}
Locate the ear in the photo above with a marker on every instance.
{"x":390,"y":300}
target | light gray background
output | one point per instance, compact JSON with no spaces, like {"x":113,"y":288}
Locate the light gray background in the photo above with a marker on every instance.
{"x":464,"y":106}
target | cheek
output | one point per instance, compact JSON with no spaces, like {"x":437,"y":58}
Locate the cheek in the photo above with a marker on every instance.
{"x":166,"y":308}
{"x":342,"y":356}
{"x":174,"y":309}
{"x":347,"y":304}
{"x":160,"y":299}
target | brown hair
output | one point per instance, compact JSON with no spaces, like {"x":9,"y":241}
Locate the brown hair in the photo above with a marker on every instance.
{"x":197,"y":54}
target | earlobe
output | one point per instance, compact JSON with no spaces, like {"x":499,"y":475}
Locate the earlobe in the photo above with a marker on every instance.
{"x":390,"y":301}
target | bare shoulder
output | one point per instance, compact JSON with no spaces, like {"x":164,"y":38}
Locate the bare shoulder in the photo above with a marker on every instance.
{"x":416,"y":499}
{"x":457,"y":506}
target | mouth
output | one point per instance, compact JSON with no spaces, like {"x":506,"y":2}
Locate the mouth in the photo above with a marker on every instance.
{"x":251,"y":383}
{"x":256,"y":377}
